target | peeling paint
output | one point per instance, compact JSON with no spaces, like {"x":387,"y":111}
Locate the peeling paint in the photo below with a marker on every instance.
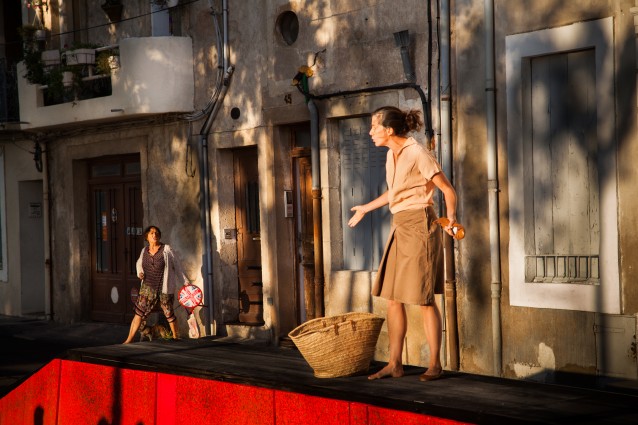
{"x":546,"y":361}
{"x":546,"y":356}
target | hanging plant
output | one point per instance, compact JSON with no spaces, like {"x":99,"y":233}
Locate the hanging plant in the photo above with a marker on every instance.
{"x":34,"y":67}
{"x":38,"y":6}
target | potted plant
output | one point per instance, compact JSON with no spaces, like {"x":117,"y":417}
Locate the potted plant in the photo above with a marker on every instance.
{"x":83,"y":54}
{"x":34,"y":66}
{"x":80,"y":57}
{"x":27,"y":32}
{"x":106,"y":61}
{"x":39,"y":32}
{"x":38,"y":6}
{"x":55,"y":85}
{"x":50,"y":57}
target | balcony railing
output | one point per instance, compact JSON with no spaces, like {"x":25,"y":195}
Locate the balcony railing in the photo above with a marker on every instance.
{"x":82,"y":74}
{"x":155,"y":76}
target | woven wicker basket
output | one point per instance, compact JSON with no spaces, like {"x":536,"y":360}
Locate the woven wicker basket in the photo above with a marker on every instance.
{"x":340,"y":345}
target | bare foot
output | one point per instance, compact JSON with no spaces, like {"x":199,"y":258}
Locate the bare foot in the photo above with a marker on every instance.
{"x":431,"y":374}
{"x":388,"y":370}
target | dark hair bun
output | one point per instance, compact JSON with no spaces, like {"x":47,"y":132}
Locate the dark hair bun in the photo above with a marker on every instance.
{"x":413,"y":121}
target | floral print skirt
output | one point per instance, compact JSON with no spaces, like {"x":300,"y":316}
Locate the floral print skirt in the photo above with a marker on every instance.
{"x":148,"y":298}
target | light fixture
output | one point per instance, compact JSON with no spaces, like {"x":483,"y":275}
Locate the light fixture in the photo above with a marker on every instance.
{"x":402,"y":40}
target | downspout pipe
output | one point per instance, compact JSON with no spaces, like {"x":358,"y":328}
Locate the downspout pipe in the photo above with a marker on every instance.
{"x":445,"y":100}
{"x":492,"y":187}
{"x":204,"y":179}
{"x":316,"y":210}
{"x":207,"y":232}
{"x":46,"y":208}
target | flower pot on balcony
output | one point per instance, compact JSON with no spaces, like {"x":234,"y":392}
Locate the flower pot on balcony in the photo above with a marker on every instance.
{"x":67,"y":78}
{"x":51,"y":57}
{"x":80,"y":57}
{"x":41,"y":34}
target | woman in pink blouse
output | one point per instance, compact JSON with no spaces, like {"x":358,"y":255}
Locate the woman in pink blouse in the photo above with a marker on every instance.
{"x":411,"y":269}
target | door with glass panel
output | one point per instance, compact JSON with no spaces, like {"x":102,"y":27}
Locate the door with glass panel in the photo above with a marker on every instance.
{"x":116,"y":236}
{"x":247,"y":217}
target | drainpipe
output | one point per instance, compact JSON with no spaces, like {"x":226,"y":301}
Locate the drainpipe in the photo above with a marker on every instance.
{"x":205,"y":178}
{"x":206,"y":227}
{"x":492,"y":187}
{"x":316,"y":209}
{"x":446,"y":163}
{"x":48,"y":298}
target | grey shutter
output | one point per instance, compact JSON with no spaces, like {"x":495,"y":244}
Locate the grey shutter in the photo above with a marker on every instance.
{"x":362,"y":179}
{"x":381,"y":217}
{"x":563,"y":234}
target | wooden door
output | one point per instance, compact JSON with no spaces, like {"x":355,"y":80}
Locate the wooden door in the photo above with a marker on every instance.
{"x":116,"y":236}
{"x":133,"y":240}
{"x":247,"y":217}
{"x":304,"y":233}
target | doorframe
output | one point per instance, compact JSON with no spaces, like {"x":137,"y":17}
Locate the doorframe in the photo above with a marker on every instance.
{"x":124,"y":181}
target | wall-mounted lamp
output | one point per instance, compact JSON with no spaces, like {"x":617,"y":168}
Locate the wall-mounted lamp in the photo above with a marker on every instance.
{"x":402,"y":40}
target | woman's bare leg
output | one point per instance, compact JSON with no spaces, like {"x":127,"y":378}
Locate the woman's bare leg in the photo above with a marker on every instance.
{"x":397,"y":327}
{"x":433,"y":335}
{"x":135,"y":326}
{"x":173,"y":326}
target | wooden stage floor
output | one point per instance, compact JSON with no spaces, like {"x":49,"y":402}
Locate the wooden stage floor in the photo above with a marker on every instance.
{"x":457,"y":396}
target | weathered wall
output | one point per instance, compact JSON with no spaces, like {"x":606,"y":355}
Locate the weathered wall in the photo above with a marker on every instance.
{"x":534,"y":340}
{"x":627,"y":99}
{"x":19,"y":166}
{"x":350,"y":46}
{"x":169,"y":198}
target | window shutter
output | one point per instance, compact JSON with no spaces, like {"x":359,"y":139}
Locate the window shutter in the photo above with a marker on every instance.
{"x":362,"y":179}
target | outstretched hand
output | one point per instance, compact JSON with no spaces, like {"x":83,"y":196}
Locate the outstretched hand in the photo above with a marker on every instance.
{"x":359,"y":213}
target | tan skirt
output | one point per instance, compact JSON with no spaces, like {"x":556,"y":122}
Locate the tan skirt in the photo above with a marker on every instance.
{"x":411,"y":269}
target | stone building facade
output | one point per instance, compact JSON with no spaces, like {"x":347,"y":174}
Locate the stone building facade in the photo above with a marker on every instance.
{"x":241,"y":130}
